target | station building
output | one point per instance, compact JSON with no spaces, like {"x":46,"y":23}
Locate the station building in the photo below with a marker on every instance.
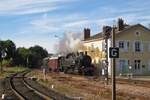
{"x":134,"y":48}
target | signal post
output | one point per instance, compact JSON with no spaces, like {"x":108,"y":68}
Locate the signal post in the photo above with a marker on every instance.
{"x":113,"y":53}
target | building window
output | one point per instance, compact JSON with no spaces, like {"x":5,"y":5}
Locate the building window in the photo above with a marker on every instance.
{"x":121,"y":44}
{"x":137,"y":46}
{"x":149,"y":46}
{"x":137,"y":64}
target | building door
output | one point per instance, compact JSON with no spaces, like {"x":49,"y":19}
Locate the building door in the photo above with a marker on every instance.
{"x":123,"y":66}
{"x":137,"y":67}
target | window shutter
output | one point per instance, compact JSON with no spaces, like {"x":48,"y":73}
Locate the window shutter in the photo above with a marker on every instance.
{"x":149,"y":46}
{"x":126,"y":62}
{"x":133,"y":43}
{"x":118,"y":66}
{"x":117,"y":43}
{"x":126,"y":46}
{"x":127,"y":65}
{"x":142,"y":46}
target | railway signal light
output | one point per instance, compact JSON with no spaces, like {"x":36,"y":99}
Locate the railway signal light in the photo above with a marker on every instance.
{"x":107,"y":31}
{"x":106,"y":35}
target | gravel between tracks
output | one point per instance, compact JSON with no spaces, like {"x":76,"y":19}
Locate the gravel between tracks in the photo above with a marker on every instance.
{"x":25,"y":91}
{"x":92,"y":88}
{"x":47,"y":91}
{"x":5,"y":89}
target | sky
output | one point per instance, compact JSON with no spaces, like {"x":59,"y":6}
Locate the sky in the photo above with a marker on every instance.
{"x":38,"y":22}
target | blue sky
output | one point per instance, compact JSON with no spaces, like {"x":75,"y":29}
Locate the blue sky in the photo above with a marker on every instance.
{"x":36,"y":22}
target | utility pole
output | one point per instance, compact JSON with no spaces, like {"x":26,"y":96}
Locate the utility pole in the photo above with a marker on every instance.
{"x":113,"y":68}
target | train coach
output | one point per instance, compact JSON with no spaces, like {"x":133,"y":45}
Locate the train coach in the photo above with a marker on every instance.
{"x":53,"y":64}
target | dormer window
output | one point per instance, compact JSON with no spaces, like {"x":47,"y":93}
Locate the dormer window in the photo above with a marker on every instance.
{"x":137,"y":33}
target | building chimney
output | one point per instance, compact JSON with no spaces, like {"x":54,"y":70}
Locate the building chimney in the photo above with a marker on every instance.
{"x":86,"y":33}
{"x":120,"y":24}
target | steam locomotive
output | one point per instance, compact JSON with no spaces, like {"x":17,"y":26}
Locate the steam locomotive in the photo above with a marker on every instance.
{"x":72,"y":63}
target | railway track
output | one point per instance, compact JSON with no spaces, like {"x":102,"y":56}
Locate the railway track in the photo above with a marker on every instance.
{"x":23,"y":90}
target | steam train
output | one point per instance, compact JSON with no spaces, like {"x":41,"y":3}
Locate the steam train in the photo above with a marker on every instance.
{"x":72,"y":63}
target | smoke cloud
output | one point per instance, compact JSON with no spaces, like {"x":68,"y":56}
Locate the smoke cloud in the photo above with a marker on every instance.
{"x":70,"y":42}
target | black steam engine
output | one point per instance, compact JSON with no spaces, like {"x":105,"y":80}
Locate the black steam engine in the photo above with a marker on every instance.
{"x":74,"y":63}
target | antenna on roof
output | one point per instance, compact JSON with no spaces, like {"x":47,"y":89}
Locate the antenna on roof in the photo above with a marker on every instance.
{"x":114,"y":23}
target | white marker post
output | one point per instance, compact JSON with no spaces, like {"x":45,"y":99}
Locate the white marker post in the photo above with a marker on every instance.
{"x":44,"y":72}
{"x":3,"y":96}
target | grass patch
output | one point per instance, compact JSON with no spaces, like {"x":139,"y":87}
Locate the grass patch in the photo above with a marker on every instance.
{"x":10,"y":70}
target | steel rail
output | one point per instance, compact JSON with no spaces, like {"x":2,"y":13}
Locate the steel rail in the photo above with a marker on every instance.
{"x":21,"y":96}
{"x":35,"y":90}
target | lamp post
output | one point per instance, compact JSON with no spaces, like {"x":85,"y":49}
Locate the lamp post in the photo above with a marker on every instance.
{"x":130,"y":71}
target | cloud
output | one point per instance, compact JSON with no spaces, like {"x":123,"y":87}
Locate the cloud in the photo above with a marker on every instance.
{"x":69,"y":17}
{"x":77,"y":23}
{"x":49,"y":24}
{"x":22,"y":7}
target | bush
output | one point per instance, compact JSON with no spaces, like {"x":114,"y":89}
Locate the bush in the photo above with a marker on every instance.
{"x":7,"y":63}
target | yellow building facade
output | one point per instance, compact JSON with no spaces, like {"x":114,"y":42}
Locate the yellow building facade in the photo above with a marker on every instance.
{"x":134,"y":48}
{"x":134,"y":45}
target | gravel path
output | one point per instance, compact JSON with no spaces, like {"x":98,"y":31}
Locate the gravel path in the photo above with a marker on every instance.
{"x":136,"y":91}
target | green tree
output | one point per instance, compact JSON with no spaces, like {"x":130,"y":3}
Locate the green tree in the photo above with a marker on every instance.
{"x":36,"y":56}
{"x":21,"y":56}
{"x":7,"y":49}
{"x":10,"y":49}
{"x":1,"y":49}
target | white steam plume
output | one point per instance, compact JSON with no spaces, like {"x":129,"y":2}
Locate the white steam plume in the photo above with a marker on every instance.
{"x":70,"y":42}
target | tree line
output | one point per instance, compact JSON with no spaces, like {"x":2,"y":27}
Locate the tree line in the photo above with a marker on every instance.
{"x":29,"y":57}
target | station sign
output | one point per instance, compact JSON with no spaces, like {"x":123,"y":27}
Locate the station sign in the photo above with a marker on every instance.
{"x":114,"y":52}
